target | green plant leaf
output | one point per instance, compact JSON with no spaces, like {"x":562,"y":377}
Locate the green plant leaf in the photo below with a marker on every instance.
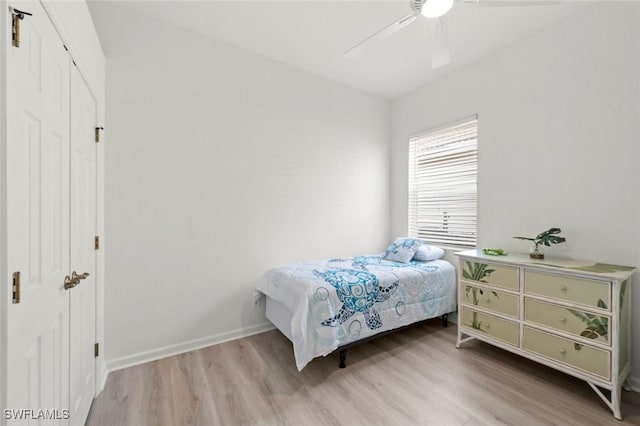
{"x":477,"y":271}
{"x":547,"y":237}
{"x":598,"y":322}
{"x":548,"y":233}
{"x":579,"y":315}
{"x":486,"y":274}
{"x":554,"y":240}
{"x":595,"y":325}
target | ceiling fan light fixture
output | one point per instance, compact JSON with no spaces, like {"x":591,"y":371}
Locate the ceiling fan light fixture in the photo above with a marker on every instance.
{"x":436,"y":8}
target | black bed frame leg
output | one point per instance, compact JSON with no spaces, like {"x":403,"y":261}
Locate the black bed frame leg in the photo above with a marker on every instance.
{"x":445,"y":320}
{"x":343,"y":358}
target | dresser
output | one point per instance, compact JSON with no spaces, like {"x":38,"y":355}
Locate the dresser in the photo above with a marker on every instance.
{"x":570,"y":315}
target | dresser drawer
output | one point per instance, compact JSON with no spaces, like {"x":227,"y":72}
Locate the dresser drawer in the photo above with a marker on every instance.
{"x":492,"y":274}
{"x":583,"y":357}
{"x":495,"y":327}
{"x":496,"y":301}
{"x":575,"y":290}
{"x":569,"y":320}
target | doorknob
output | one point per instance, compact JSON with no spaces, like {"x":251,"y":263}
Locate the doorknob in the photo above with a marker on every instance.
{"x":70,"y":283}
{"x":75,"y":276}
{"x":73,"y":280}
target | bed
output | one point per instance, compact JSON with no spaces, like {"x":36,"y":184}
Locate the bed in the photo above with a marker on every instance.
{"x":332,"y":304}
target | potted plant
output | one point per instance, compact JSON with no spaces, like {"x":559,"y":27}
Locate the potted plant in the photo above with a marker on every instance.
{"x":546,"y":238}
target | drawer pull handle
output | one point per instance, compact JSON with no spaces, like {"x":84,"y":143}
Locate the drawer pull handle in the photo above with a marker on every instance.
{"x":563,"y":351}
{"x":563,"y":320}
{"x":563,"y":288}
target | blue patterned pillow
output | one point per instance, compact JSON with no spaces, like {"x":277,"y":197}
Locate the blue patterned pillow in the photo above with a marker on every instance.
{"x":402,"y":250}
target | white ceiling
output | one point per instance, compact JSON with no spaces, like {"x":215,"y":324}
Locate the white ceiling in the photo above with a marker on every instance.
{"x":313,"y":35}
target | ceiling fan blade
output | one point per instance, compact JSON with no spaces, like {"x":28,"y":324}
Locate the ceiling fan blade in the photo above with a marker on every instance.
{"x":509,"y":3}
{"x":383,"y":33}
{"x":440,"y":51}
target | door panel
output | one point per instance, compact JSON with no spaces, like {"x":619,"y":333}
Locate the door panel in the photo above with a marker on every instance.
{"x":38,"y":214}
{"x":83,"y":255}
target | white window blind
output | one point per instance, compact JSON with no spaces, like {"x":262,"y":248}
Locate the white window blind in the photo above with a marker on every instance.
{"x":442,"y":184}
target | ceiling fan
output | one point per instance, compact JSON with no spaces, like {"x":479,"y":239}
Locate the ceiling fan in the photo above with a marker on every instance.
{"x":435,"y":11}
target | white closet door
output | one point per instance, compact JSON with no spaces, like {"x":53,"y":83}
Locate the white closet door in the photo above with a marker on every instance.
{"x":83,"y":254}
{"x":38,"y":215}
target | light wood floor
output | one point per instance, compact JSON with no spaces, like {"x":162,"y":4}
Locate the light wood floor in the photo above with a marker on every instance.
{"x":413,"y":377}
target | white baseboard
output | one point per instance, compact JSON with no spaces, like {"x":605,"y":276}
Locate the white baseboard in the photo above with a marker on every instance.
{"x":171,"y":350}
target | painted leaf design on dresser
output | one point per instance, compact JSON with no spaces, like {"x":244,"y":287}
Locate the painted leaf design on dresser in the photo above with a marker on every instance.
{"x":475,"y":291}
{"x":596,"y":326}
{"x":476,"y":271}
{"x":602,"y":268}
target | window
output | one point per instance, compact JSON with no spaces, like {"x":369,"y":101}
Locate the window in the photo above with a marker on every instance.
{"x":442,"y":184}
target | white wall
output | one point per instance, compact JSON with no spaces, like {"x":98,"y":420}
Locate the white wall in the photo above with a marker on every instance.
{"x":222,"y":164}
{"x":559,"y":120}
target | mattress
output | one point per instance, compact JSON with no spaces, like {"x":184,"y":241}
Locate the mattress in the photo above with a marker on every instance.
{"x":279,"y":316}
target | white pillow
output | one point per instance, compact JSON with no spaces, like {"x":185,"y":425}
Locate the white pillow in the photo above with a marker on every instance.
{"x":426,"y":253}
{"x":402,"y":249}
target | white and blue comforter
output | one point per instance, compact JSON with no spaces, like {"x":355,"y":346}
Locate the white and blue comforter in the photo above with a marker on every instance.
{"x":338,"y":301}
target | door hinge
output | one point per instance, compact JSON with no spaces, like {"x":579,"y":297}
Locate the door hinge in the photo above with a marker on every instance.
{"x":96,"y":242}
{"x":16,"y":287}
{"x":18,"y":15}
{"x":96,"y":349}
{"x":98,"y":133}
